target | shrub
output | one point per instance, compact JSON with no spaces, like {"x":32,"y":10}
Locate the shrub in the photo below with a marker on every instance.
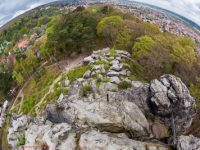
{"x":105,"y":80}
{"x":55,"y":86}
{"x":21,"y":140}
{"x":112,"y":52}
{"x":77,"y":73}
{"x":98,"y":80}
{"x":126,"y":66}
{"x":106,"y":65}
{"x":87,"y":87}
{"x":114,"y":90}
{"x":99,"y":62}
{"x":133,"y":78}
{"x":124,"y":85}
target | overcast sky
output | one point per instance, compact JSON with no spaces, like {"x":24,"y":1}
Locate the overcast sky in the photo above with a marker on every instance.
{"x":187,"y":8}
{"x":11,"y":8}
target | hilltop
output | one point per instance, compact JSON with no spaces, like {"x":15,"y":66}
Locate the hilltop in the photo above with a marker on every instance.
{"x":104,"y":107}
{"x":139,"y":56}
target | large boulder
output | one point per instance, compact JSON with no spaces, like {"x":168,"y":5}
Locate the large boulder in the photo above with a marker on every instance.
{"x":93,"y":140}
{"x":55,"y":114}
{"x":108,"y":116}
{"x":188,"y":143}
{"x":161,"y":98}
{"x":18,"y":125}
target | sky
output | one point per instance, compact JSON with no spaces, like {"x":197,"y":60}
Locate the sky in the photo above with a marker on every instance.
{"x":190,"y":9}
{"x":187,"y":8}
{"x":9,"y":9}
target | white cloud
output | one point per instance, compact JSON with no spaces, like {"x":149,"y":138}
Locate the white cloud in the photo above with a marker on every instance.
{"x":13,"y":8}
{"x":19,"y":12}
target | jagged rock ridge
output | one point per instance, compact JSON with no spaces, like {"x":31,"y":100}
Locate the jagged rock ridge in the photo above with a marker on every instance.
{"x":107,"y":117}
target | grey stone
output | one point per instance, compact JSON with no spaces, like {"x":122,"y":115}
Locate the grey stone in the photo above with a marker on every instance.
{"x":100,"y":76}
{"x":123,"y":72}
{"x":107,"y":116}
{"x":128,"y":73}
{"x":114,"y":62}
{"x":105,"y":87}
{"x":116,"y":67}
{"x":94,"y":88}
{"x":113,"y":74}
{"x":54,"y":113}
{"x":127,"y":80}
{"x":87,"y":60}
{"x":94,"y":56}
{"x":155,"y":102}
{"x":96,"y":67}
{"x":76,"y":89}
{"x":115,"y":80}
{"x":67,"y":82}
{"x":137,"y":84}
{"x":87,"y":74}
{"x":93,"y":140}
{"x":103,"y":69}
{"x":188,"y":143}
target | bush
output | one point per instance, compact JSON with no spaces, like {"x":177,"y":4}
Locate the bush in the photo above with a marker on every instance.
{"x":77,"y":73}
{"x":55,"y":86}
{"x":99,"y":62}
{"x":21,"y":140}
{"x":112,"y":52}
{"x":87,"y":87}
{"x":133,"y":78}
{"x":105,"y":80}
{"x":124,"y":85}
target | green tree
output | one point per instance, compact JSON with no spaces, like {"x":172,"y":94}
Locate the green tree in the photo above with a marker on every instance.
{"x":108,"y":28}
{"x":143,"y":46}
{"x":183,"y":51}
{"x":124,"y":38}
{"x":6,"y":81}
{"x":18,"y":77}
{"x":150,"y":29}
{"x":16,"y":37}
{"x":31,"y":61}
{"x":24,"y":30}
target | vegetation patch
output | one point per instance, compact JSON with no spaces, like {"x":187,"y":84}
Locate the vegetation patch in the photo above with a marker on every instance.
{"x":105,"y":80}
{"x":77,"y":72}
{"x":87,"y":87}
{"x":124,"y":85}
{"x":22,"y":140}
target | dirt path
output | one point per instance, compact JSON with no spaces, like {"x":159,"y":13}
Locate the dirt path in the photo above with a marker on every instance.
{"x":65,"y":66}
{"x":72,"y":63}
{"x":20,"y":94}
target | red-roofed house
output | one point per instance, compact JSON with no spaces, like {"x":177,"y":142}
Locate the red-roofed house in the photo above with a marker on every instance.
{"x":33,"y":36}
{"x":23,"y":45}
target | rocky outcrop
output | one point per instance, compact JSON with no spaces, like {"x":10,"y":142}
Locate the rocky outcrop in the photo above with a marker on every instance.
{"x":93,"y":140}
{"x":159,"y":99}
{"x":188,"y":143}
{"x":102,"y":116}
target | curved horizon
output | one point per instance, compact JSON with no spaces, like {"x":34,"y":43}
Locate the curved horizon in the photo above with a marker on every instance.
{"x":186,"y":8}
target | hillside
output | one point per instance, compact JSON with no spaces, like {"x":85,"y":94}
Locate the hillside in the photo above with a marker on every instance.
{"x":105,"y":107}
{"x":140,"y":61}
{"x":59,"y":4}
